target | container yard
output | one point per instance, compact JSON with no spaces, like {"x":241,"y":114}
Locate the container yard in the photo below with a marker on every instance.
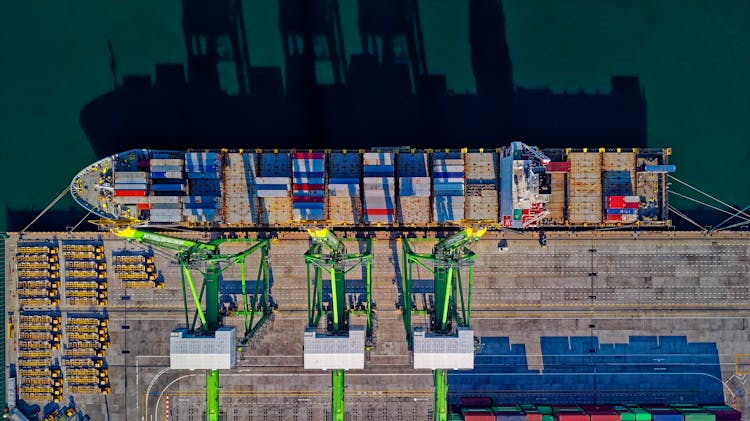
{"x":594,"y":326}
{"x":516,"y":186}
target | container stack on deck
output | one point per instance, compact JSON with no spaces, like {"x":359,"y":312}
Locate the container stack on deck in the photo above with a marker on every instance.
{"x":516,"y":186}
{"x":239,"y":194}
{"x":448,"y":186}
{"x":274,"y":188}
{"x":379,"y":187}
{"x":414,"y":186}
{"x":204,"y":171}
{"x":344,"y":203}
{"x":618,"y":179}
{"x":308,"y":170}
{"x":481,"y":186}
{"x":558,"y":172}
{"x":585,"y":188}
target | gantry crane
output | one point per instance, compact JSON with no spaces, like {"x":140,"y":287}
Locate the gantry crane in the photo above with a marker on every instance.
{"x":328,"y":254}
{"x":450,"y":316}
{"x":207,"y":256}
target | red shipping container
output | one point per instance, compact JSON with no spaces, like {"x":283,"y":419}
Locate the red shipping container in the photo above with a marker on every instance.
{"x":308,"y":199}
{"x":376,"y":212}
{"x":478,"y":416}
{"x":632,"y":205}
{"x":534,"y":416}
{"x":572,"y":416}
{"x":143,"y":206}
{"x":558,"y":166}
{"x":615,"y":201}
{"x":308,"y":155}
{"x":143,"y":164}
{"x":127,"y":193}
{"x":611,"y":218}
{"x":524,"y":211}
{"x":308,"y":187}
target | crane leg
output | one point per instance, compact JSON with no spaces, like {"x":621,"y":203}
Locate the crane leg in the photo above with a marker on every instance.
{"x":441,"y":395}
{"x":212,"y":395}
{"x":337,"y":395}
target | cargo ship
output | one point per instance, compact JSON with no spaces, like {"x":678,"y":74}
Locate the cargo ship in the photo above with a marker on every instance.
{"x":515,"y":186}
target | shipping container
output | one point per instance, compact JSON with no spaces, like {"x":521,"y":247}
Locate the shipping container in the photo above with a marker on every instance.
{"x":412,"y":164}
{"x":344,"y":165}
{"x":414,"y":210}
{"x":347,"y":210}
{"x":276,"y":210}
{"x":557,"y":167}
{"x":377,"y":158}
{"x":659,"y":168}
{"x":480,"y":166}
{"x":275,"y":164}
{"x":128,"y":193}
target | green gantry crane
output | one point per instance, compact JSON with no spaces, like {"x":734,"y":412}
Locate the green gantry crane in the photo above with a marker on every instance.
{"x":328,"y":254}
{"x":194,"y":254}
{"x":451,"y":304}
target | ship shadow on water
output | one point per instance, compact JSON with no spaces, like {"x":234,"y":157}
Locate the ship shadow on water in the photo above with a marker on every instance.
{"x":384,"y":95}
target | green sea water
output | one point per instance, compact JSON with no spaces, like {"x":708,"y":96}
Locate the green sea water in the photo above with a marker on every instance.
{"x":693,"y":58}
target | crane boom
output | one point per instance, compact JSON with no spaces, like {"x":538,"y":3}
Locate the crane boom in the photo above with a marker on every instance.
{"x":190,"y":252}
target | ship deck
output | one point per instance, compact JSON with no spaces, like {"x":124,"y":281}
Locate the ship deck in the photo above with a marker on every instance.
{"x":608,"y":285}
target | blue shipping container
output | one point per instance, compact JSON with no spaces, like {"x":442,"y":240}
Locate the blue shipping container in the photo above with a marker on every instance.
{"x":308,"y":205}
{"x":167,"y":187}
{"x":332,"y":180}
{"x":203,"y":175}
{"x":621,"y":211}
{"x":448,"y":174}
{"x":659,"y":168}
{"x":272,"y":187}
{"x":379,"y":171}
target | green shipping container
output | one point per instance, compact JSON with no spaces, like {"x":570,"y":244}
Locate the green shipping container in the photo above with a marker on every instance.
{"x":698,"y":416}
{"x":517,"y":214}
{"x":640,"y":413}
{"x":624,"y":413}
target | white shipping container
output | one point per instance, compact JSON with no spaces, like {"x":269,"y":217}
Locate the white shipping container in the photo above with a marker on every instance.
{"x":378,"y":203}
{"x":272,"y":180}
{"x":173,"y":174}
{"x":632,"y":199}
{"x":448,"y":168}
{"x":272,"y":193}
{"x":164,"y":199}
{"x":448,"y":162}
{"x":377,"y":158}
{"x":165,"y":161}
{"x":343,"y":190}
{"x":379,"y":180}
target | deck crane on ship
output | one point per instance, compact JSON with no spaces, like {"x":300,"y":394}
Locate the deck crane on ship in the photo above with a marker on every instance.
{"x":448,"y":341}
{"x":342,"y":346}
{"x":210,"y":335}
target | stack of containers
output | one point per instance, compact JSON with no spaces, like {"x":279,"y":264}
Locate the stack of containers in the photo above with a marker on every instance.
{"x":448,"y":187}
{"x":239,"y":198}
{"x":622,"y":208}
{"x":558,"y":172}
{"x":344,"y":203}
{"x":649,"y":186}
{"x":130,"y":185}
{"x":537,"y":413}
{"x":274,"y":188}
{"x":585,"y":188}
{"x":204,"y":175}
{"x":481,"y":186}
{"x":618,"y":178}
{"x":379,"y":187}
{"x":413,"y":188}
{"x":631,"y":413}
{"x":167,"y":186}
{"x":308,"y":200}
